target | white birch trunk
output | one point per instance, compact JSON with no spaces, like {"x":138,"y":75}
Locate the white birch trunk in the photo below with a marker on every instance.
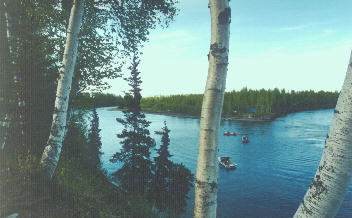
{"x":4,"y":68}
{"x":13,"y":96}
{"x":330,"y":183}
{"x":52,"y":151}
{"x":8,"y":32}
{"x":207,"y":167}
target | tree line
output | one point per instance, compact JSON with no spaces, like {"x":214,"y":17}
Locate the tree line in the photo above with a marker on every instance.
{"x":97,"y":99}
{"x":275,"y":101}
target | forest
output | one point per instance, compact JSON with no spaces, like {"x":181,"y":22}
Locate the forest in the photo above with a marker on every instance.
{"x":276,"y":102}
{"x":266,"y":102}
{"x":50,"y":143}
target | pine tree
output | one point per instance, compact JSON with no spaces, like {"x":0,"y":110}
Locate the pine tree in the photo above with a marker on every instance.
{"x":172,"y":181}
{"x":180,"y":182}
{"x":162,"y":169}
{"x":136,"y":173}
{"x":95,"y":139}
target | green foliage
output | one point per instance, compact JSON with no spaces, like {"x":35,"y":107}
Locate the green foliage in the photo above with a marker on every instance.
{"x":136,"y":173}
{"x":276,"y":102}
{"x":171,"y":181}
{"x":137,"y":206}
{"x":162,"y":181}
{"x":132,"y":20}
{"x":26,"y":164}
{"x":162,"y":169}
{"x":30,"y":73}
{"x":79,"y":187}
{"x":88,"y":101}
{"x":183,"y":104}
{"x":80,"y":179}
{"x":94,"y":139}
{"x":30,"y":60}
{"x":180,"y":182}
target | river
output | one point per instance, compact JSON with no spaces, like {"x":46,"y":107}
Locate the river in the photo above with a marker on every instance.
{"x":274,"y":169}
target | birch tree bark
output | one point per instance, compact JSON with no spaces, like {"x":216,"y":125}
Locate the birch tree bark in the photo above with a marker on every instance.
{"x":52,"y":150}
{"x":4,"y":75}
{"x":12,"y":94}
{"x":207,"y":167}
{"x":330,"y":183}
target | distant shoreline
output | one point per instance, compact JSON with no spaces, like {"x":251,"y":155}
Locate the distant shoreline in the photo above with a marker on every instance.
{"x":244,"y":117}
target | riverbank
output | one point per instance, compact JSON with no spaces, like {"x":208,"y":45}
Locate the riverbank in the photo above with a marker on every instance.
{"x":242,"y":117}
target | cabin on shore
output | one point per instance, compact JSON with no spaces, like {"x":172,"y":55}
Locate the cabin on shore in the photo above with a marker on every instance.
{"x":251,"y":112}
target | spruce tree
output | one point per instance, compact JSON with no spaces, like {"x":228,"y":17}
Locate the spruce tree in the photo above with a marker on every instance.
{"x":95,"y":139}
{"x":162,"y":169}
{"x":172,"y":181}
{"x":180,"y":182}
{"x":136,"y":173}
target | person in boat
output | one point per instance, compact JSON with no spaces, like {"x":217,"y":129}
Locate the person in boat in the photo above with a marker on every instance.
{"x":245,"y":139}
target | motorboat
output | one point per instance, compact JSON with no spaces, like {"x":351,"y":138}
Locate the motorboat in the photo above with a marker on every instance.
{"x":230,"y":133}
{"x":159,"y":132}
{"x":226,"y":163}
{"x":245,"y":139}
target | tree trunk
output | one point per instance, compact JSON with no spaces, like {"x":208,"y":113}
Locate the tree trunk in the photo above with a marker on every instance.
{"x":52,"y":151}
{"x":207,"y":167}
{"x":330,"y":183}
{"x":11,"y":98}
{"x":4,"y":75}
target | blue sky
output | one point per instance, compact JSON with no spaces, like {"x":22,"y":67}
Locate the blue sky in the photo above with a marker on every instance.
{"x":291,"y":44}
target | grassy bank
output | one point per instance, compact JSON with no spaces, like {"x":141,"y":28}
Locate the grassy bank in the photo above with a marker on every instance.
{"x":79,"y":188}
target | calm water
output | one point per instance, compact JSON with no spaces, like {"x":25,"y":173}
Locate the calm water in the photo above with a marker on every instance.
{"x":275,"y":168}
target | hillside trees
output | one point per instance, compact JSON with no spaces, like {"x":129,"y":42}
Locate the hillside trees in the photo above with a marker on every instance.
{"x":27,"y":74}
{"x":207,"y":169}
{"x":131,"y":22}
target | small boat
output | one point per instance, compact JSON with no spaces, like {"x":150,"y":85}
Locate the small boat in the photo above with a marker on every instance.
{"x":158,"y":132}
{"x":230,"y":133}
{"x":226,"y":163}
{"x":245,"y":139}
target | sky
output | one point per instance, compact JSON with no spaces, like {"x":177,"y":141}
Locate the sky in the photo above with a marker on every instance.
{"x":290,"y":44}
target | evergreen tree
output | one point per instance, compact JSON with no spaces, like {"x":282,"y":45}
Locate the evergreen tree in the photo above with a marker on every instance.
{"x":172,"y":181}
{"x":180,"y":182}
{"x":95,"y":139}
{"x":162,"y":168}
{"x":136,"y":173}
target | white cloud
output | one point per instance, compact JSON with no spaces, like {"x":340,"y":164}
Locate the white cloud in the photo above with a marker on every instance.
{"x":294,"y":28}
